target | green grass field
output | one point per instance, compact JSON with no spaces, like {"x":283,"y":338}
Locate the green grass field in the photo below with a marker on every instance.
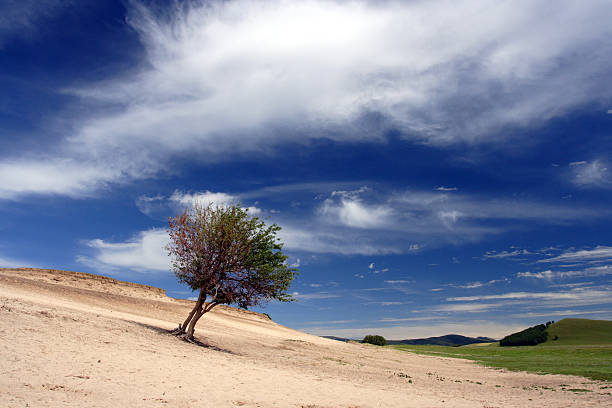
{"x":583,"y":347}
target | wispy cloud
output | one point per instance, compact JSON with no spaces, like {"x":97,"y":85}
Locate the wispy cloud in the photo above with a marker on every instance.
{"x":179,"y":200}
{"x":314,"y":295}
{"x":578,"y":163}
{"x":65,"y":177}
{"x":505,"y":254}
{"x":408,"y":221}
{"x":476,"y":285}
{"x":327,"y":322}
{"x":591,"y":174}
{"x":597,"y":254}
{"x":407,"y":319}
{"x":221,"y":77}
{"x":576,"y":296}
{"x":583,"y":273}
{"x":466,"y":307}
{"x":22,"y":18}
{"x":564,"y":313}
{"x":205,"y":198}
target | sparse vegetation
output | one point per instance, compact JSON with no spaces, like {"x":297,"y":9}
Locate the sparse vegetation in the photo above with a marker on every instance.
{"x":374,"y":339}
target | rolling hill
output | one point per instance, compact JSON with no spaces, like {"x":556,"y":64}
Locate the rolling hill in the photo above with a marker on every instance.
{"x":452,"y":340}
{"x":579,"y":332}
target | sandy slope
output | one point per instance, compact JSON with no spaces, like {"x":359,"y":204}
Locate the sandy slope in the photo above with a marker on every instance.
{"x":78,"y":340}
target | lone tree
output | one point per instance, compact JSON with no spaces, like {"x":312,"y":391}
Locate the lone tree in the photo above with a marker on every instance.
{"x":229,"y":257}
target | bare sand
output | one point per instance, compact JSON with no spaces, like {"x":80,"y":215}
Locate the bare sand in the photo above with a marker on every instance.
{"x":76,"y":340}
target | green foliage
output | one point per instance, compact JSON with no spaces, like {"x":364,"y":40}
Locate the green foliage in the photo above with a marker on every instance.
{"x":374,"y":339}
{"x":592,"y":361}
{"x":528,"y":337}
{"x":229,"y":255}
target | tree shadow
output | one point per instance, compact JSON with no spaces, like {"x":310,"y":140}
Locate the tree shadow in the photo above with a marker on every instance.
{"x":194,"y":341}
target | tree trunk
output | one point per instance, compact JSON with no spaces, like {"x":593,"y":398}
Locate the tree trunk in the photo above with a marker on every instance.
{"x":191,"y":328}
{"x":198,"y":306}
{"x":199,"y":313}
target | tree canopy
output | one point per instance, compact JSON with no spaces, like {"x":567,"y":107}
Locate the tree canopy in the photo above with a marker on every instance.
{"x":229,"y":256}
{"x":374,"y":339}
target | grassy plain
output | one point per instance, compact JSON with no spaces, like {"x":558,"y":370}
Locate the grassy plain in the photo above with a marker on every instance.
{"x":587,"y":361}
{"x":583,"y":347}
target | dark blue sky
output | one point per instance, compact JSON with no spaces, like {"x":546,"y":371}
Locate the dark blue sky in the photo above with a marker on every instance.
{"x":436,"y":167}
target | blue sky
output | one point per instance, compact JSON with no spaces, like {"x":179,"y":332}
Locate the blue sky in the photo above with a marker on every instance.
{"x":437,"y":167}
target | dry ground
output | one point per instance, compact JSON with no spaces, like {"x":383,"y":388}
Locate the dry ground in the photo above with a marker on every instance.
{"x":78,"y":340}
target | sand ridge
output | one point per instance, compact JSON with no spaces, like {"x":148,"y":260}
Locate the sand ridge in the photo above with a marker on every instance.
{"x":79,"y":340}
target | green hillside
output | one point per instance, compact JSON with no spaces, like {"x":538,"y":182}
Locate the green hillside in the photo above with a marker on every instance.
{"x":579,"y":332}
{"x":583,"y":347}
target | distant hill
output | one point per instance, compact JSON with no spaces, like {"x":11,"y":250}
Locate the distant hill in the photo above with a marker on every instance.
{"x":579,"y":332}
{"x":448,"y":340}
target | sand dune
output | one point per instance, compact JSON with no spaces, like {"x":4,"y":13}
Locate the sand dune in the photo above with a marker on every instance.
{"x":69,"y":339}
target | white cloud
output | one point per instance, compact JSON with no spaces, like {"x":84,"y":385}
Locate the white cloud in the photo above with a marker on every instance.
{"x":576,"y":296}
{"x":471,"y":285}
{"x":597,"y":254}
{"x":538,"y":275}
{"x":578,"y":163}
{"x":457,"y":207}
{"x":314,"y":296}
{"x":588,"y":272}
{"x":208,"y":197}
{"x":466,"y":307}
{"x":368,"y":222}
{"x":43,"y":176}
{"x":449,"y":218}
{"x":145,"y":252}
{"x":565,"y":313}
{"x":505,"y":254}
{"x":349,"y":210}
{"x":592,"y":174}
{"x":227,"y":78}
{"x":442,"y":188}
{"x":204,"y":198}
{"x":318,"y":239}
{"x":179,"y":200}
{"x":406,"y":319}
